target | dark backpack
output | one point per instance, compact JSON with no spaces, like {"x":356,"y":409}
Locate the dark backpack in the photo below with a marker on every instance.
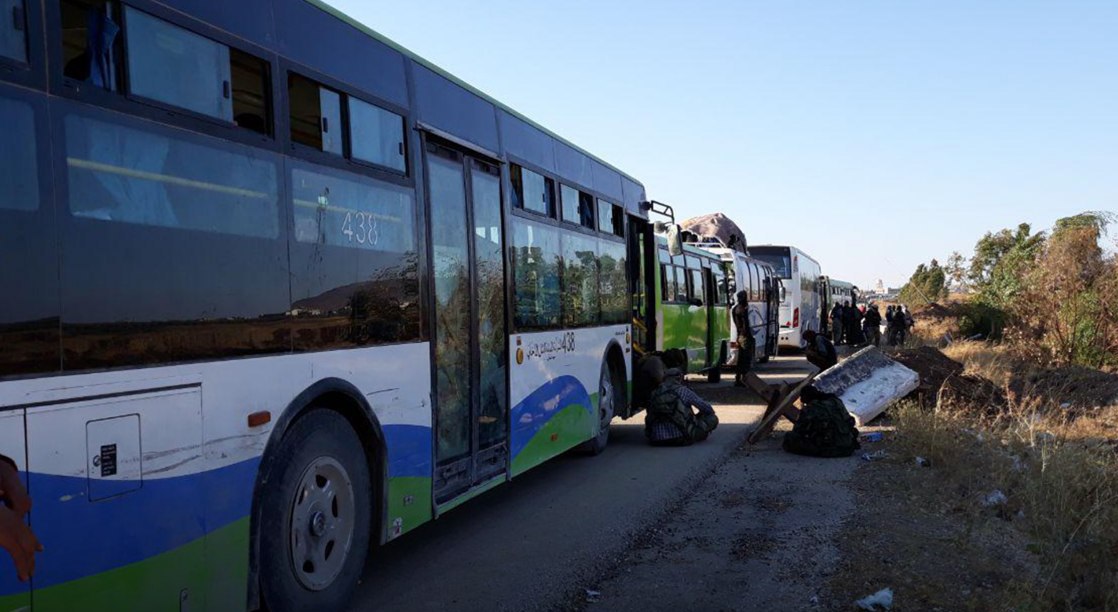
{"x":824,"y":429}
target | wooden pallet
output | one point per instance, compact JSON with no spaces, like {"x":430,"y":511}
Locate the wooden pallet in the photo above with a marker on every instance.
{"x":780,"y":399}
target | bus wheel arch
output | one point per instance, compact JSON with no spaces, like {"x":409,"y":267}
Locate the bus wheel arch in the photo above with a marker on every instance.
{"x":334,"y":396}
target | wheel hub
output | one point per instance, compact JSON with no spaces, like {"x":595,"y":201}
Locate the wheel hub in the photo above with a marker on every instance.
{"x":318,"y":524}
{"x":323,"y":519}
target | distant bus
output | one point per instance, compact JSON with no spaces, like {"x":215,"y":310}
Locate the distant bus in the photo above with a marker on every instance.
{"x":762,"y":287}
{"x":801,"y":304}
{"x":695,"y":307}
{"x":278,"y":291}
{"x":834,"y":291}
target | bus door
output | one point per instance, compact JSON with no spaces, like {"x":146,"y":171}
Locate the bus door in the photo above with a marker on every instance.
{"x":14,"y":595}
{"x":715,"y":314}
{"x":469,"y":326}
{"x":642,"y":262}
{"x":772,"y":318}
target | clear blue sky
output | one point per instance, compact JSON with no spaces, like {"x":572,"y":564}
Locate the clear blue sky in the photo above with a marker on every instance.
{"x":874,"y":134}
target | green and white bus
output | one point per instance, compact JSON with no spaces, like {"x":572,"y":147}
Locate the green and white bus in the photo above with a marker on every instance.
{"x":277,"y":291}
{"x":694,"y":294}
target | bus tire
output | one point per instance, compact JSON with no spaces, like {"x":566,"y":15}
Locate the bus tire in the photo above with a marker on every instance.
{"x":314,"y":516}
{"x":608,"y":404}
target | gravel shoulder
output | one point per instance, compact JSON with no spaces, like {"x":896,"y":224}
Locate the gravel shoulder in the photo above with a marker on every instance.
{"x":758,"y":533}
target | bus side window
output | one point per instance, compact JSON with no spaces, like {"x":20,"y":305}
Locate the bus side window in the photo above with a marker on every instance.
{"x":697,"y":288}
{"x":13,"y":30}
{"x":19,"y":182}
{"x":531,"y":191}
{"x":376,"y":135}
{"x":665,"y":283}
{"x":91,"y":42}
{"x":175,"y":66}
{"x":316,"y":114}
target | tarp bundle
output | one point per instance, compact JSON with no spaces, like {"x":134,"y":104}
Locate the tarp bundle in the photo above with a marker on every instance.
{"x":719,"y":226}
{"x":867,"y":382}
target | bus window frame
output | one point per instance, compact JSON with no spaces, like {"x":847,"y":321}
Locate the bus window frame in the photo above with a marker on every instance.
{"x":345,"y":160}
{"x":33,"y":72}
{"x":124,"y":101}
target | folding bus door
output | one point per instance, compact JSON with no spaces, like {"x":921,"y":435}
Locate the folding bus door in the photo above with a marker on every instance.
{"x":470,"y":335}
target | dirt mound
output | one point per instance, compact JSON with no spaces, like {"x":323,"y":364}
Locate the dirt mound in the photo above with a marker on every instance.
{"x":1071,"y":387}
{"x":972,"y":395}
{"x":933,"y":367}
{"x":935,"y":310}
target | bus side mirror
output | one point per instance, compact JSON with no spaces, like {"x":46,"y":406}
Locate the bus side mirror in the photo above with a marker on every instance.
{"x":675,"y":240}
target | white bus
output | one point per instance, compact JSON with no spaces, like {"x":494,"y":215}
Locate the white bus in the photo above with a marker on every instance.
{"x":763,"y":289}
{"x":800,"y":304}
{"x":278,"y":291}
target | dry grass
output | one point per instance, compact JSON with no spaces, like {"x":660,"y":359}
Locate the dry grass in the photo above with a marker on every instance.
{"x":990,"y":361}
{"x":1060,"y":479}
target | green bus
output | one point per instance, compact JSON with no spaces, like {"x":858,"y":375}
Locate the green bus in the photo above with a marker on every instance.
{"x":693,"y":312}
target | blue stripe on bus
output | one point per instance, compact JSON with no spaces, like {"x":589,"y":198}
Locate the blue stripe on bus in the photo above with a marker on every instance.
{"x":83,"y":538}
{"x":530,"y":415}
{"x":409,"y":450}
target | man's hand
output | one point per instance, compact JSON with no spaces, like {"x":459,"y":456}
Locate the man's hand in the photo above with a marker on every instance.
{"x":16,"y":538}
{"x":12,"y":493}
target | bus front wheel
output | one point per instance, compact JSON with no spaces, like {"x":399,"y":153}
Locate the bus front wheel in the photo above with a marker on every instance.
{"x":315,"y":521}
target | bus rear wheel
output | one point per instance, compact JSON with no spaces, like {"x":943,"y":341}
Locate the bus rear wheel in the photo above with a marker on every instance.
{"x":314,"y":516}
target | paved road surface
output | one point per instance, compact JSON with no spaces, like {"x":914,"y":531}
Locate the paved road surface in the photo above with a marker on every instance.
{"x":535,"y":542}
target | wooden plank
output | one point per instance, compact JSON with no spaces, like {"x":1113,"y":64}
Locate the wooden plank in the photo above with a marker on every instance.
{"x":779,"y":407}
{"x":760,"y":387}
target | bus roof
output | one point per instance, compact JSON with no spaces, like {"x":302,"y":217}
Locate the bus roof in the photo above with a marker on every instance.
{"x":321,"y":4}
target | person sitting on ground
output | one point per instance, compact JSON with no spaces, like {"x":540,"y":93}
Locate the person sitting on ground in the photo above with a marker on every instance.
{"x":15,"y":536}
{"x":670,"y":419}
{"x":823,"y":428}
{"x":819,"y":350}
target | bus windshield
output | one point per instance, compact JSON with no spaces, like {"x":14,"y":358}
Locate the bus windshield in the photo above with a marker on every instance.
{"x":777,"y":257}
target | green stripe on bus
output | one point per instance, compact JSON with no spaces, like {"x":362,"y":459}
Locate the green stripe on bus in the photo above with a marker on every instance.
{"x":15,"y":603}
{"x":157,"y":583}
{"x":569,"y":427}
{"x":409,"y":501}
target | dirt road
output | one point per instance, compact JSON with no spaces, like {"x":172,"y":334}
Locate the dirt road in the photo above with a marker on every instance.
{"x":706,"y":527}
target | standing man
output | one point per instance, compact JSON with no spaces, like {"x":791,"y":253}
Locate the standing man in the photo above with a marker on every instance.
{"x":889,"y":324}
{"x":836,"y":323}
{"x":897,"y":327}
{"x":871,"y":325}
{"x":747,"y":346}
{"x":849,"y":322}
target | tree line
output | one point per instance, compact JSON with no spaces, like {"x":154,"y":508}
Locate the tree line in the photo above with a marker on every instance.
{"x":1053,"y":295}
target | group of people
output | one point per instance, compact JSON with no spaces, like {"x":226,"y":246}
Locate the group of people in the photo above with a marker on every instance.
{"x":862,"y":325}
{"x":899,"y":321}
